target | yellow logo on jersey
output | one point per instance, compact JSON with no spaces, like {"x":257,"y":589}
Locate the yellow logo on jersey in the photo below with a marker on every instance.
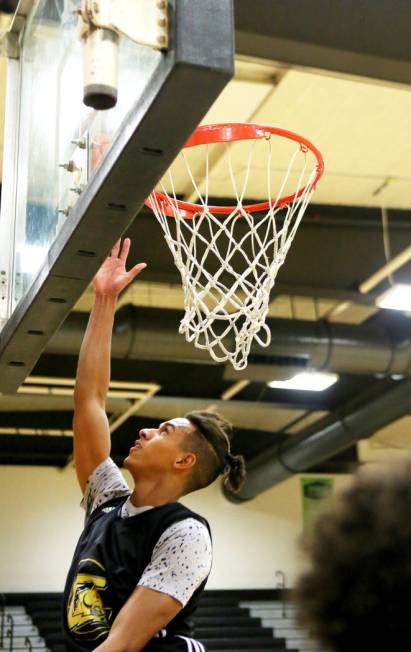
{"x":87,"y":617}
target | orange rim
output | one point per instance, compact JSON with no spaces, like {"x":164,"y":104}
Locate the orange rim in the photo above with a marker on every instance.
{"x":231,"y":132}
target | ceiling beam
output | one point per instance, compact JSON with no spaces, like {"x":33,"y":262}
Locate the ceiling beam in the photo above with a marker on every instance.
{"x":354,"y":37}
{"x":271,"y":417}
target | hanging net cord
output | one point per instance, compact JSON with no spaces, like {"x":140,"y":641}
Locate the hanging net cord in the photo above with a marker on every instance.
{"x":228,"y":262}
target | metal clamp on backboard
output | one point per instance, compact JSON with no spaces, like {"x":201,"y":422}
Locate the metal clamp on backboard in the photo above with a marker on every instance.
{"x":102,"y":22}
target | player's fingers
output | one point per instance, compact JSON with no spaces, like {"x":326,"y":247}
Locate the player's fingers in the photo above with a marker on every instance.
{"x":125,"y":249}
{"x":134,"y":271}
{"x":115,"y":249}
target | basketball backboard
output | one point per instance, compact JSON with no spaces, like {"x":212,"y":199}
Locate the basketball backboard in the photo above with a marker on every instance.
{"x":75,"y":178}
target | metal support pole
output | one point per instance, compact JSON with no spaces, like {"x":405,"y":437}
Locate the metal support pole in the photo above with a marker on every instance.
{"x":10,"y":632}
{"x":3,"y":609}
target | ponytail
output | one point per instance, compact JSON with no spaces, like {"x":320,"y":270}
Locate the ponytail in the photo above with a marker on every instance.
{"x":214,"y":431}
{"x":235,"y":473}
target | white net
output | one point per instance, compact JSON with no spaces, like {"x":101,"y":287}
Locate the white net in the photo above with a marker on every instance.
{"x":228,"y":262}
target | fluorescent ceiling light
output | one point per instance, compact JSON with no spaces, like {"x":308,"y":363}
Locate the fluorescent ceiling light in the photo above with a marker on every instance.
{"x":309,"y":381}
{"x":398,"y":297}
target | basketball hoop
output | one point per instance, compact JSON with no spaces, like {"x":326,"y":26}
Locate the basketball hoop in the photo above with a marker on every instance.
{"x":229,"y":256}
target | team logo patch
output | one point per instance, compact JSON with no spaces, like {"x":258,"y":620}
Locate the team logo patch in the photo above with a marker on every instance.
{"x":87,"y":617}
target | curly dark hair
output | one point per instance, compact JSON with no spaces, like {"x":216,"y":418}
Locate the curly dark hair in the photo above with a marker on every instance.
{"x":355,"y":594}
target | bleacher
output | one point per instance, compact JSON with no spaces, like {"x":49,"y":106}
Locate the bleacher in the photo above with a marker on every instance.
{"x":225,"y":621}
{"x":18,"y":631}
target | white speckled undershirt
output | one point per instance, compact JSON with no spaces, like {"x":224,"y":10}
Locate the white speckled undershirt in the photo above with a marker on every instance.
{"x":182,"y":556}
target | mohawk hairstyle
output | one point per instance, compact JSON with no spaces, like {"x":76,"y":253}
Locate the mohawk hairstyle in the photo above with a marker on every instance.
{"x":210,"y":442}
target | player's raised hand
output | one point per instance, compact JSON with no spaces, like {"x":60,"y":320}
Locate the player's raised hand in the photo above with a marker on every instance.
{"x":112,"y":277}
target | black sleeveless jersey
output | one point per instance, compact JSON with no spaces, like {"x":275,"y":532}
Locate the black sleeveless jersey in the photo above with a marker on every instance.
{"x":108,"y":562}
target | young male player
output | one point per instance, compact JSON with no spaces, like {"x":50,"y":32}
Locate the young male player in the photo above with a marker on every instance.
{"x":143,"y":558}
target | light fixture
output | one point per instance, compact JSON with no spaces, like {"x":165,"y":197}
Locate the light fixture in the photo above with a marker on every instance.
{"x":310,"y":381}
{"x":398,"y":297}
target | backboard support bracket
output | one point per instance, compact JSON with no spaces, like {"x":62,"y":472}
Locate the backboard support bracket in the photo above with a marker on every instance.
{"x":102,"y":23}
{"x":142,"y":21}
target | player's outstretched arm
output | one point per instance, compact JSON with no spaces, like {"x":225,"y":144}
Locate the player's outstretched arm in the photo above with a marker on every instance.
{"x":90,"y":424}
{"x":145,"y":613}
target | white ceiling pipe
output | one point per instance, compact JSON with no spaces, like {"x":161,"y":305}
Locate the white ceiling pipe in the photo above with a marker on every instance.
{"x":234,"y":389}
{"x":385,"y":271}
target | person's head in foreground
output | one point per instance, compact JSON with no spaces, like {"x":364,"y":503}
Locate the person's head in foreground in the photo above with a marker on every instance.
{"x":188,"y":453}
{"x":355,"y":595}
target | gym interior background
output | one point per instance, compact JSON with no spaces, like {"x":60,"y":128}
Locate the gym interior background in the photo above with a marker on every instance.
{"x":346,"y":90}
